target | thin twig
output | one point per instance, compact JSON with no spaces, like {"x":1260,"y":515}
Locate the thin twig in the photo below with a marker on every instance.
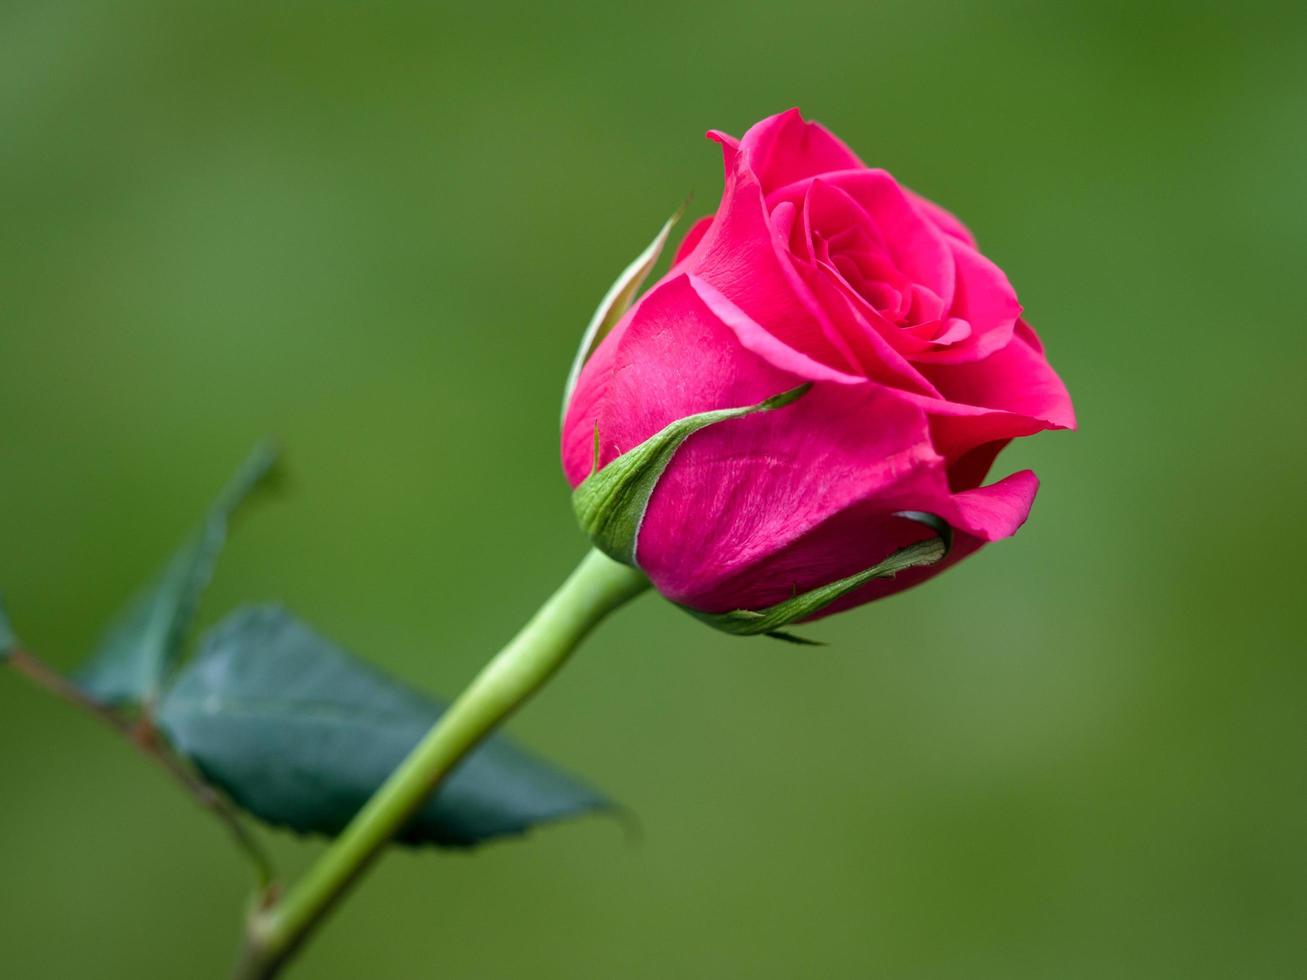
{"x":143,"y":735}
{"x":57,"y":684}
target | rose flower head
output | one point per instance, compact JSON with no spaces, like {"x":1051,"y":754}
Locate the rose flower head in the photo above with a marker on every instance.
{"x":799,"y":417}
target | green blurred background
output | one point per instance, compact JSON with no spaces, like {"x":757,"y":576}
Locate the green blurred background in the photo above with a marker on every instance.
{"x":375,"y":231}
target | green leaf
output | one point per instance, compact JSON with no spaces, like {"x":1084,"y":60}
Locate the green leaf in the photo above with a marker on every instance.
{"x":144,"y":641}
{"x":300,"y":733}
{"x":610,"y":502}
{"x":772,"y":620}
{"x":7,"y":639}
{"x":617,"y":301}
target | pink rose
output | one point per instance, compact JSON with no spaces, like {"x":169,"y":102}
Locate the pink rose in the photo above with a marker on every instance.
{"x":816,"y":268}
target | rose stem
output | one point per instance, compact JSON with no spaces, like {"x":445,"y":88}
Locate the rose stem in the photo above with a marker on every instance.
{"x":597,"y":587}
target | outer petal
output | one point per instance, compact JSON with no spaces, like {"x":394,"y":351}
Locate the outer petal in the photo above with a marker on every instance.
{"x":672,"y":351}
{"x":741,"y":255}
{"x":736,"y":496}
{"x":978,"y":516}
{"x":982,"y":405}
{"x":867,"y":532}
{"x":672,"y":356}
{"x":784,"y":148}
{"x":1016,"y":380}
{"x":692,"y":238}
{"x":1027,"y":333}
{"x":756,"y":339}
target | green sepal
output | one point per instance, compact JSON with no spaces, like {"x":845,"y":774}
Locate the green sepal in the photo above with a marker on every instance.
{"x":934,"y":522}
{"x":141,"y":645}
{"x":7,"y":639}
{"x":611,"y":502}
{"x":618,"y":299}
{"x":772,"y":620}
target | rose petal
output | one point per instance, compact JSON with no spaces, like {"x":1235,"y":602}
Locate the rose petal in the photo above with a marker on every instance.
{"x":754,"y":338}
{"x":877,"y":360}
{"x":866,"y":532}
{"x":735,"y":496}
{"x":919,"y":248}
{"x":984,"y":404}
{"x":1027,"y":333}
{"x":1017,"y":380}
{"x":784,"y":148}
{"x":985,"y":299}
{"x":998,"y":510}
{"x":691,"y":239}
{"x":670,"y":357}
{"x":742,"y":257}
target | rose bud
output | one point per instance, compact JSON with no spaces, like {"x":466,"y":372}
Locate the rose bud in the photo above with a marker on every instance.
{"x":800,"y":415}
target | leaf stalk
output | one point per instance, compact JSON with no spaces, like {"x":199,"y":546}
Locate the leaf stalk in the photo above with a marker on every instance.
{"x":142,"y":734}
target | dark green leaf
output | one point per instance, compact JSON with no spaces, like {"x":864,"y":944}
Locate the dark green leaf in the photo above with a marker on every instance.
{"x":772,"y":620}
{"x":144,"y":641}
{"x":300,"y":733}
{"x":610,"y":502}
{"x":7,"y":639}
